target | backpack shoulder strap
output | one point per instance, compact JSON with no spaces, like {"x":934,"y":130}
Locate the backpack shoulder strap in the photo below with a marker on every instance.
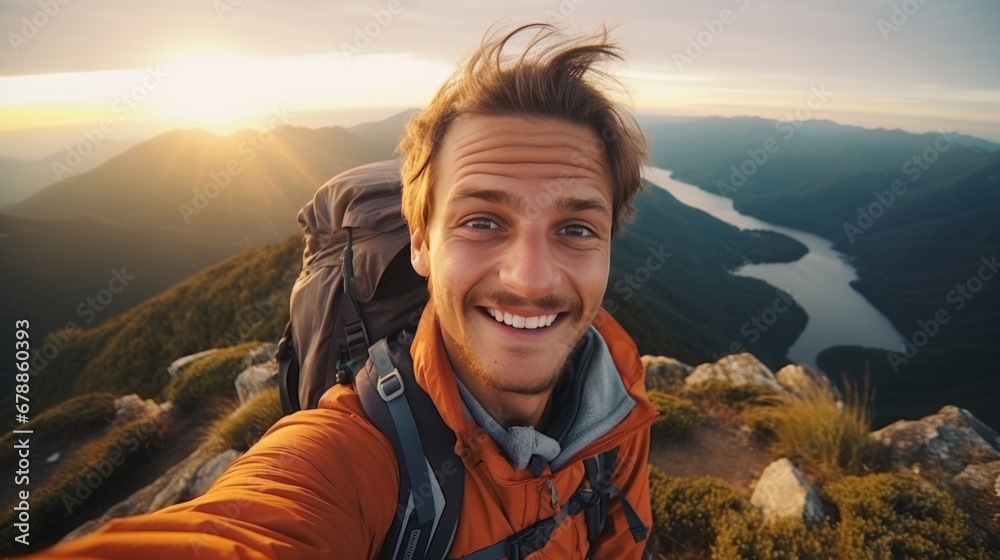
{"x":288,"y":373}
{"x":431,"y":475}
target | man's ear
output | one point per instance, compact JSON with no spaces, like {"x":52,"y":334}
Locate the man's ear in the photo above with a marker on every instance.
{"x":419,"y":257}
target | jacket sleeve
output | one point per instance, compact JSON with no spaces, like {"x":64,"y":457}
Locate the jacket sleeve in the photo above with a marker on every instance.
{"x":319,"y":484}
{"x":632,"y":477}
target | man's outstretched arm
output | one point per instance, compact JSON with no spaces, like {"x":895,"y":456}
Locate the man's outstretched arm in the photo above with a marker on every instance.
{"x":319,"y":484}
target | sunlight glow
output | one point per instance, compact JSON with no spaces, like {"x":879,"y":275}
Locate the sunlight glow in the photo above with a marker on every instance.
{"x":217,"y":91}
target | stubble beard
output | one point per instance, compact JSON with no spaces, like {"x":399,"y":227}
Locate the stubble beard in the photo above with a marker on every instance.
{"x":510,"y":382}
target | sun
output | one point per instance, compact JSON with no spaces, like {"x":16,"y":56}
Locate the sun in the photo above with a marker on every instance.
{"x":220,"y":92}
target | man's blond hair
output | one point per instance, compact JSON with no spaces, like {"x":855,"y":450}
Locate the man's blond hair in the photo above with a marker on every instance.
{"x":553,"y":76}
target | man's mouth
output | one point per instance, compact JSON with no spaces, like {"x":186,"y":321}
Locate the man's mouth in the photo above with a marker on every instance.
{"x":520,"y":322}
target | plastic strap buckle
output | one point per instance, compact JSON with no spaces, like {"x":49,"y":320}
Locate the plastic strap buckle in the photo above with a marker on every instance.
{"x":390,"y":386}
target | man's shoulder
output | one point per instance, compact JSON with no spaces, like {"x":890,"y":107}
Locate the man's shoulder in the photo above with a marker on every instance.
{"x":338,"y":420}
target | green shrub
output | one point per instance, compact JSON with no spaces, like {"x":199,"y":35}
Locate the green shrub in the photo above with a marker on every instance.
{"x":814,"y":430}
{"x":749,"y":537}
{"x":246,"y":424}
{"x":688,"y":513}
{"x":677,"y":416}
{"x":728,"y":393}
{"x":891,"y":516}
{"x":71,"y":494}
{"x":68,"y":420}
{"x":881,"y":517}
{"x":211,"y":377}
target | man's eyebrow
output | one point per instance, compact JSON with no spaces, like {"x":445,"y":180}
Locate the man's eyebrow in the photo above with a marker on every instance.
{"x":573,"y":205}
{"x":502,"y":198}
{"x":567,"y":205}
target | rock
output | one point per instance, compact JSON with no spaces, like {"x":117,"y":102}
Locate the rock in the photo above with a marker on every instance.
{"x":255,"y":378}
{"x":210,"y":471}
{"x":800,"y":380}
{"x":782,"y":492}
{"x":738,"y":369}
{"x":948,"y":441}
{"x":134,"y":407}
{"x":262,"y":354}
{"x":977,"y":491}
{"x":177,"y":364}
{"x":663,"y":373}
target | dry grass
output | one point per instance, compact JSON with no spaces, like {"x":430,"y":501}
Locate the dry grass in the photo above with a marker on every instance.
{"x":245,"y":425}
{"x":816,"y":431}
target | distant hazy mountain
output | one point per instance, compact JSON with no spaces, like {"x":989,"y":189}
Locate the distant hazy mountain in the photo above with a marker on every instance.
{"x":385,"y":134}
{"x":916,"y":211}
{"x":21,"y":178}
{"x":163,"y":209}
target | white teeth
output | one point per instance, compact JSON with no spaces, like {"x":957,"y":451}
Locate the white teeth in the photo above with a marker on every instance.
{"x":519,"y":322}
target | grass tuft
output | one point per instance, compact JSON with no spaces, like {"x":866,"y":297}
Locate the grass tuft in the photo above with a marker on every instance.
{"x":813,"y":429}
{"x":210,"y":378}
{"x":245,"y":425}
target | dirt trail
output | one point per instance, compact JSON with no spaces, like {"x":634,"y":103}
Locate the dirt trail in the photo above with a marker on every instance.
{"x":714,"y":449}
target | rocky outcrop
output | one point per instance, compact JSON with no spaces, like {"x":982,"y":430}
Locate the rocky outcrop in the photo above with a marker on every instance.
{"x":262,"y":354}
{"x":256,"y":378}
{"x":134,"y":407}
{"x":802,"y":380}
{"x":947,"y":441}
{"x":737,"y":369}
{"x":179,"y":363}
{"x":663,"y":373}
{"x":185,"y":480}
{"x":783,"y":492}
{"x":210,"y":471}
{"x":957,"y":453}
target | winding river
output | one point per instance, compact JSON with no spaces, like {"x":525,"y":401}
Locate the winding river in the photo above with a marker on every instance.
{"x":819,"y":281}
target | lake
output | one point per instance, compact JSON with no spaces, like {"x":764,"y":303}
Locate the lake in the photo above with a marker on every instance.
{"x":819,"y":281}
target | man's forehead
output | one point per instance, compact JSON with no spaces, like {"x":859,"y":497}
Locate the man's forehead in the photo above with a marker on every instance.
{"x":525,"y":145}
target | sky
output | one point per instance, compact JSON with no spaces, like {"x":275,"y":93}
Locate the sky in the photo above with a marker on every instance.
{"x":124,"y":69}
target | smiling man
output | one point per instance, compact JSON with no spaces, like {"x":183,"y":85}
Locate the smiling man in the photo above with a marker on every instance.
{"x":515,"y":179}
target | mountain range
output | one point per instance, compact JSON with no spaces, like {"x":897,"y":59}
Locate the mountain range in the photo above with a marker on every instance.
{"x":172,"y":206}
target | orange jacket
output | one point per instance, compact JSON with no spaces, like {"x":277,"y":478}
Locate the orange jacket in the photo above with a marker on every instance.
{"x":323,"y":483}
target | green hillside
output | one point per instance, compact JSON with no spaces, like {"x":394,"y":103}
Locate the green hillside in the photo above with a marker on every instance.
{"x":242,"y":298}
{"x":692,"y":308}
{"x":154,"y":211}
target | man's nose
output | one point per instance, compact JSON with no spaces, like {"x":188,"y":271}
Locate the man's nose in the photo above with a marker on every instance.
{"x":530,"y":268}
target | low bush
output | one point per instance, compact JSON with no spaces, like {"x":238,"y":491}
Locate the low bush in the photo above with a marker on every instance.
{"x":891,"y":516}
{"x":677,"y":417}
{"x":211,"y":377}
{"x":877,"y":517}
{"x":731,"y":394}
{"x":66,"y":421}
{"x":71,"y":494}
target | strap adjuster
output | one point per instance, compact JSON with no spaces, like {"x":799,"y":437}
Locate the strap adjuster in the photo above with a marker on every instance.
{"x":390,"y":386}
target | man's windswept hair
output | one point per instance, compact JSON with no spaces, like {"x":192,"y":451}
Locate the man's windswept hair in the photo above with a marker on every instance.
{"x":554,"y":76}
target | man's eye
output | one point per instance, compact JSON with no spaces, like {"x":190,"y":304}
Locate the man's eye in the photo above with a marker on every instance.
{"x":481,"y":223}
{"x":578,"y":231}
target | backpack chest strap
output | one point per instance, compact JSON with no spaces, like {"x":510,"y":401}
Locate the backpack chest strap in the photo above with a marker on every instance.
{"x":591,"y":500}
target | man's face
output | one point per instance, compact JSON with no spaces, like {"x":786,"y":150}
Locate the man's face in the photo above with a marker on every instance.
{"x":517,"y":248}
